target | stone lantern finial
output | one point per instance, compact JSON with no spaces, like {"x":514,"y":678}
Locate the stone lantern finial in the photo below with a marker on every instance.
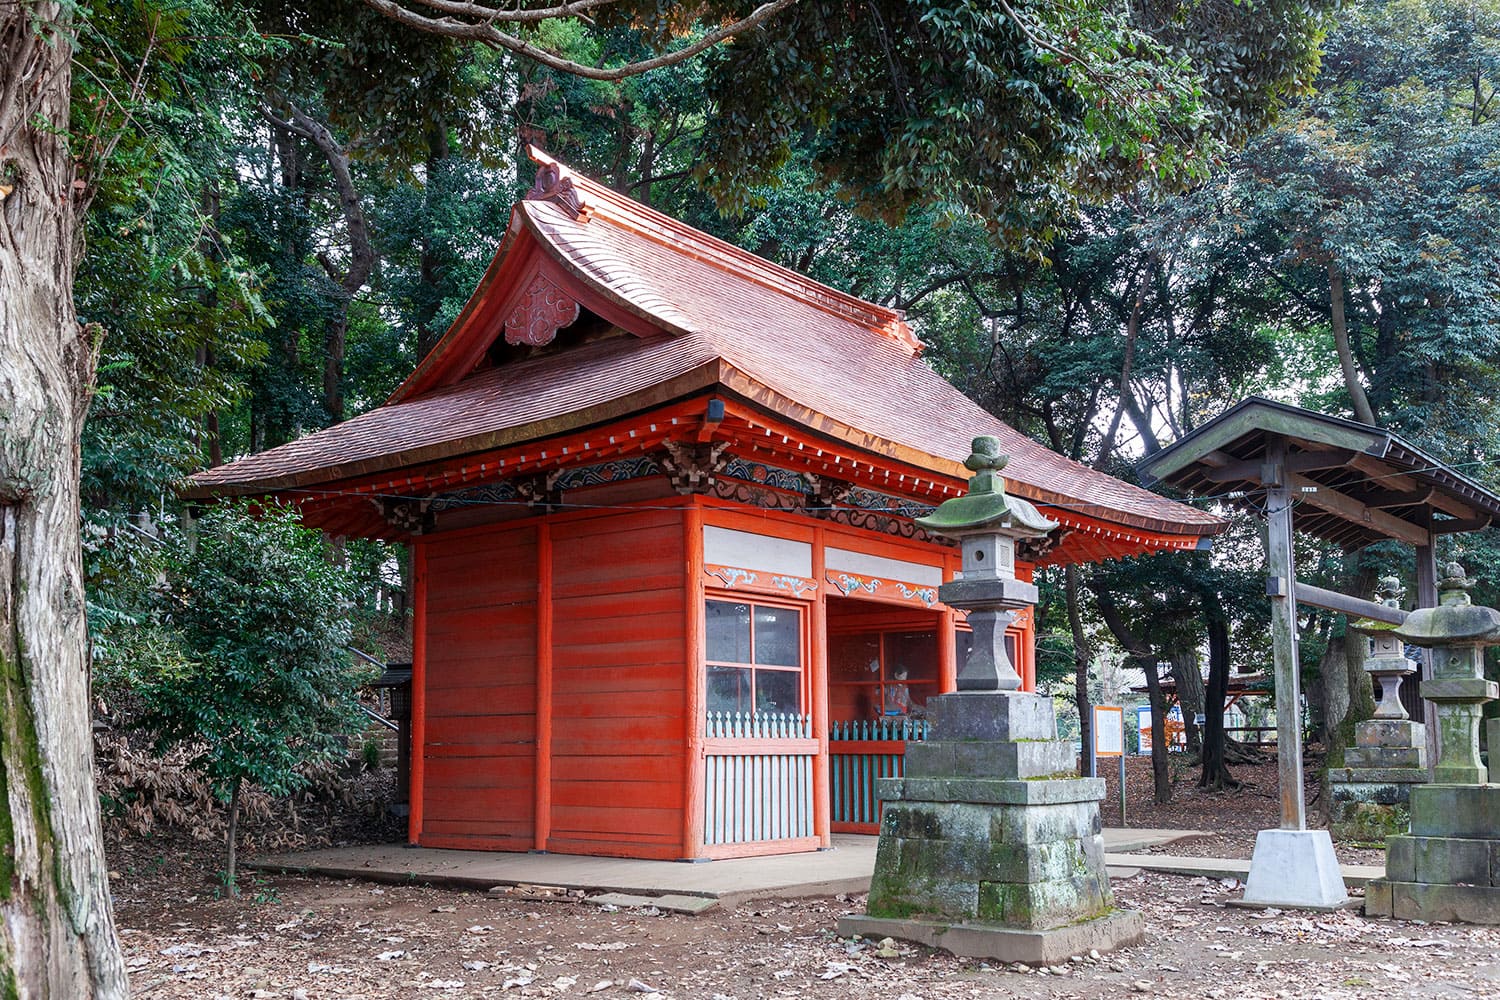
{"x":1453,"y":588}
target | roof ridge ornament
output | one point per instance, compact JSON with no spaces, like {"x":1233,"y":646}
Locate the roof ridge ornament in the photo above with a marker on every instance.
{"x":554,"y":183}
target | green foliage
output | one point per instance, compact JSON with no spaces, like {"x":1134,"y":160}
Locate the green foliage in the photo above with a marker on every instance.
{"x":264,"y":685}
{"x":179,"y":310}
{"x":1015,"y":114}
{"x":1387,"y":174}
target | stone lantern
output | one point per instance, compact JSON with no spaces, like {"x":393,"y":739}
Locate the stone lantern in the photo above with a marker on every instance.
{"x":990,"y":845}
{"x":1370,"y":796}
{"x":1448,"y":868}
{"x":987,"y":524}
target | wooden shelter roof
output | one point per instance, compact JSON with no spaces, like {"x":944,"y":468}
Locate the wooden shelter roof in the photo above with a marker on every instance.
{"x":690,"y":316}
{"x":1353,"y":484}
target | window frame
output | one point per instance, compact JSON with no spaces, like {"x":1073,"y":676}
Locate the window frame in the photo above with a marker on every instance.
{"x":804,"y":653}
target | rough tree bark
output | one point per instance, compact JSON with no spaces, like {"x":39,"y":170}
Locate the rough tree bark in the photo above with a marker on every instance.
{"x":57,"y":935}
{"x":1215,"y":774}
{"x":1188,"y":674}
{"x":1082,"y":655}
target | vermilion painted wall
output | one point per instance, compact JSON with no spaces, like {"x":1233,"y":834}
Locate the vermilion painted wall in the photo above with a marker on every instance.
{"x":480,"y":674}
{"x":553,"y":661}
{"x":618,"y":674}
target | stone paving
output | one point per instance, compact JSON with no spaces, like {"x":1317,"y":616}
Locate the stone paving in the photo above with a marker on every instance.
{"x":844,"y":869}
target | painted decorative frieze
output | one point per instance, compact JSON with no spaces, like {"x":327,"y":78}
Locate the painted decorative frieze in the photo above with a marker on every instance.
{"x":854,"y":585}
{"x":766,"y":475}
{"x":737,"y":578}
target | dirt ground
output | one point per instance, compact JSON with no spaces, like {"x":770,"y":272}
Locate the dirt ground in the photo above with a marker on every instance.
{"x":296,"y":938}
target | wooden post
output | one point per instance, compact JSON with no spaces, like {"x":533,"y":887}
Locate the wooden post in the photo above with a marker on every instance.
{"x":1427,"y":597}
{"x":818,"y":666}
{"x":542,"y":808}
{"x":695,"y":703}
{"x":418,"y":689}
{"x":947,"y":638}
{"x":948,"y":651}
{"x":1283,"y":576}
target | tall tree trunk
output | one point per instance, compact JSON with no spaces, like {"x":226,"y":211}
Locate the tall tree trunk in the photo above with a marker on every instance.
{"x":57,"y":934}
{"x":1215,"y":773}
{"x":361,"y":251}
{"x":1145,"y":658}
{"x":430,"y":296}
{"x":1188,"y":674}
{"x":1160,"y":779}
{"x":1082,"y":655}
{"x":1348,"y":694}
{"x":1362,"y":410}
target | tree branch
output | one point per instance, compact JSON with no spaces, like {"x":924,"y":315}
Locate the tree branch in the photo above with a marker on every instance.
{"x":484,"y":32}
{"x":362,"y":262}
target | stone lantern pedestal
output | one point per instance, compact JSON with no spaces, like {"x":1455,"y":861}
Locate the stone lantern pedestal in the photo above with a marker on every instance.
{"x":990,"y":846}
{"x":1448,"y":867}
{"x":1370,"y":796}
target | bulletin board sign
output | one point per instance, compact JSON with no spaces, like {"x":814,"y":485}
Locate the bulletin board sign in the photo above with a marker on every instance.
{"x":1109,"y":731}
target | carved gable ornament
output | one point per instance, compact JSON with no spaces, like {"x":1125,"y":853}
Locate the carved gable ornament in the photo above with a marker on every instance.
{"x":542,"y":311}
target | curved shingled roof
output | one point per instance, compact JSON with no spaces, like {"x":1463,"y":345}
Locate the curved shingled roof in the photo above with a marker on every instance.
{"x":707,"y":316}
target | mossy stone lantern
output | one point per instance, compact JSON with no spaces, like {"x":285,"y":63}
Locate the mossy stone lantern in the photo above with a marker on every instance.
{"x":987,"y":523}
{"x":1448,"y":867}
{"x":990,"y":845}
{"x":1457,"y":631}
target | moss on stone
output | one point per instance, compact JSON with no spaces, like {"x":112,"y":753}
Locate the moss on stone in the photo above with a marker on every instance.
{"x":1370,"y":822}
{"x":892,"y":907}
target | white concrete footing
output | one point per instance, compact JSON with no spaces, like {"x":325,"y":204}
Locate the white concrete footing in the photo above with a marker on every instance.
{"x":1295,"y":869}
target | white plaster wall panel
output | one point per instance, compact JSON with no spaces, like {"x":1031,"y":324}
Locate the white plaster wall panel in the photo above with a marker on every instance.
{"x":866,"y":565}
{"x":728,"y":547}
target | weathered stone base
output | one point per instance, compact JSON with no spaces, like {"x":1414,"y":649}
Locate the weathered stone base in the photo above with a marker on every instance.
{"x":983,"y":830}
{"x":1468,"y":904}
{"x":1370,"y":804}
{"x":1295,"y":868}
{"x":1449,"y":867}
{"x":1115,"y":929}
{"x":1031,"y":866}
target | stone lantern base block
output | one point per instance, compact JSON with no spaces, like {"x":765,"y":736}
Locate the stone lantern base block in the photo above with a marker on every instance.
{"x":1449,"y":868}
{"x":1115,"y":929}
{"x":1295,"y":868}
{"x":1464,"y":904}
{"x":1369,"y":804}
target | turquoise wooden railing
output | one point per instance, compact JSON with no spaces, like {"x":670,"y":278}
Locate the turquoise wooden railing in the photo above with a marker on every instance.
{"x":861,"y":751}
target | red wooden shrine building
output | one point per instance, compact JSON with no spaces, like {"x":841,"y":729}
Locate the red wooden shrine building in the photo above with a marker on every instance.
{"x":669,"y":599}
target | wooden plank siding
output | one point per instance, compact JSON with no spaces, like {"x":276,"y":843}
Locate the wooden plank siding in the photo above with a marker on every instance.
{"x":618,"y":607}
{"x":479,"y":741}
